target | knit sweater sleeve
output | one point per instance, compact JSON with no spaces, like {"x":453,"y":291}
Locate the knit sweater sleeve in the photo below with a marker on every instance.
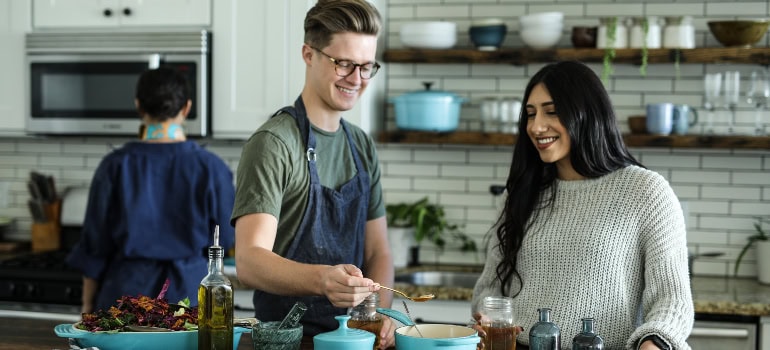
{"x":667,"y":306}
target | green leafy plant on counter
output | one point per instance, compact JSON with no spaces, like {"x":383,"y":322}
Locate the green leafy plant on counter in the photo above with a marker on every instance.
{"x":429,"y":222}
{"x":761,"y":235}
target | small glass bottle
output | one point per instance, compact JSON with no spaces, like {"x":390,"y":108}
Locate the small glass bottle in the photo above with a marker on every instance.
{"x":544,"y":335}
{"x":215,"y":303}
{"x":365,"y":316}
{"x":587,"y":339}
{"x":497,"y":321}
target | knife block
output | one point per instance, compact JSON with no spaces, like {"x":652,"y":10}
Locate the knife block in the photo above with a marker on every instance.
{"x":46,"y":236}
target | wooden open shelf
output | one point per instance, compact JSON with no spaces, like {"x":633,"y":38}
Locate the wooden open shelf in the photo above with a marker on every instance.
{"x":522,"y":56}
{"x":632,"y":140}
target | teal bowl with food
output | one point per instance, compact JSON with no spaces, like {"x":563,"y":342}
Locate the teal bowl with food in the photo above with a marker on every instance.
{"x":111,"y":340}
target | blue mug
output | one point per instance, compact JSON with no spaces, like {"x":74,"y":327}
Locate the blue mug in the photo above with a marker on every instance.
{"x":660,"y":118}
{"x":682,"y":118}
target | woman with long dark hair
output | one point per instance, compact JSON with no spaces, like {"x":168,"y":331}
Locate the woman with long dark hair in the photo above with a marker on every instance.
{"x":587,"y":231}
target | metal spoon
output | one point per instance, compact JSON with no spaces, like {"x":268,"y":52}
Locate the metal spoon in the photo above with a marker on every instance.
{"x":421,"y":298}
{"x":410,"y":319}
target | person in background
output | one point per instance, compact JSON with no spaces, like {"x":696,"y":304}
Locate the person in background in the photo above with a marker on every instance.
{"x":309,"y":215}
{"x":153,"y":205}
{"x":586,"y":230}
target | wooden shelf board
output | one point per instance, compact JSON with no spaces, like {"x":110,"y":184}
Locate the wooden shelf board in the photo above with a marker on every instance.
{"x":521,"y":56}
{"x":632,"y":140}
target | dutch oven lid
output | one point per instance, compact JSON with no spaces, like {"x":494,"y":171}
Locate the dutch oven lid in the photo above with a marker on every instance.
{"x":427,"y":93}
{"x":343,"y":334}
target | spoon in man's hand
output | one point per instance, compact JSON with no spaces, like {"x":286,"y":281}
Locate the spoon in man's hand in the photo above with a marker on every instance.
{"x":421,"y":298}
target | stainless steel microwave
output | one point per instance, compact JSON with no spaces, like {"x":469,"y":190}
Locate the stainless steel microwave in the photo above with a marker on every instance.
{"x":83,"y":83}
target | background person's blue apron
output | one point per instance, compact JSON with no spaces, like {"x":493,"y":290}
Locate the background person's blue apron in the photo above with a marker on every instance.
{"x":331,"y":233}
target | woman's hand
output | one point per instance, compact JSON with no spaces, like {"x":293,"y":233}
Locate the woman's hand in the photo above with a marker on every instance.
{"x":477,"y":326}
{"x":387,"y":333}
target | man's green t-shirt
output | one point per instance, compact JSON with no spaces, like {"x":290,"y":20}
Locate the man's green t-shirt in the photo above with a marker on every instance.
{"x":273,"y":175}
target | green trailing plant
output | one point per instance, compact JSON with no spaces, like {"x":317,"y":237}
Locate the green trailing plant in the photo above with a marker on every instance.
{"x":645,"y":30}
{"x":761,"y":235}
{"x":429,"y":222}
{"x":609,"y":51}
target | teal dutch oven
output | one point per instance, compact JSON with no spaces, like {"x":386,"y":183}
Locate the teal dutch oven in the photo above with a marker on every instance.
{"x":434,"y":336}
{"x":428,"y":110}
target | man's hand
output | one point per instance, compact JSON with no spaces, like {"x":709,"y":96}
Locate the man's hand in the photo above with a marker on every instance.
{"x":345,"y":285}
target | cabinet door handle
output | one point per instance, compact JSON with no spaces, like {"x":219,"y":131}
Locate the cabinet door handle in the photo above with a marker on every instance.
{"x":127,"y":11}
{"x":719,"y":332}
{"x":107,"y":12}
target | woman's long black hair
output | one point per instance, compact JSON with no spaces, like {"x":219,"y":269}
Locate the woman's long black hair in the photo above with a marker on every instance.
{"x":596,"y":148}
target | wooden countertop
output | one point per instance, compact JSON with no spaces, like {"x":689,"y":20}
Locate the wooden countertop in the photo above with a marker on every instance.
{"x":711,"y":295}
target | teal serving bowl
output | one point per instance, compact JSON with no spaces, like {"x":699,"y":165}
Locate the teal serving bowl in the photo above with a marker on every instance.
{"x":137,"y":340}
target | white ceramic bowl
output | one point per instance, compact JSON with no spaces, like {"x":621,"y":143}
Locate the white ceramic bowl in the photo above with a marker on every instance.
{"x":542,"y":18}
{"x":540,"y":39}
{"x":429,"y":35}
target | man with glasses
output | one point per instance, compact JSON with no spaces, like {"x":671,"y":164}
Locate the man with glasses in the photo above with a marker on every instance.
{"x":309,"y":215}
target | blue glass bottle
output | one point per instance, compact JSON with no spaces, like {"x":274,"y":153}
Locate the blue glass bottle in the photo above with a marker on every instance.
{"x":587,"y":339}
{"x":544,"y":335}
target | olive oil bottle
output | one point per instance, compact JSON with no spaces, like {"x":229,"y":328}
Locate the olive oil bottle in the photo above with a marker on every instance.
{"x":215,"y":304}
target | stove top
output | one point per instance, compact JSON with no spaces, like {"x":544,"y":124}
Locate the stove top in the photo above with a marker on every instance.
{"x":40,"y":277}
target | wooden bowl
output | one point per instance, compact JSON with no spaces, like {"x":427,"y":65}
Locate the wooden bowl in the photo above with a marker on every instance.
{"x":738,"y":33}
{"x":637,"y":124}
{"x":584,"y":36}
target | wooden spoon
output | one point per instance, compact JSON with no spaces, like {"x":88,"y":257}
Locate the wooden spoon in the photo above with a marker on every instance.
{"x":421,"y":298}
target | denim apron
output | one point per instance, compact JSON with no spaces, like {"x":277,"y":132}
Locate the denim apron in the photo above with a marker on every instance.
{"x":331,"y":233}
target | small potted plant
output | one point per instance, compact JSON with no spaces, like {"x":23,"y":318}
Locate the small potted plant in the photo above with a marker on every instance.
{"x":762,"y":241}
{"x":428,"y":221}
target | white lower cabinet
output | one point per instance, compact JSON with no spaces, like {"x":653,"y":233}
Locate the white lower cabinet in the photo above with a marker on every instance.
{"x":764,"y":333}
{"x":711,"y":335}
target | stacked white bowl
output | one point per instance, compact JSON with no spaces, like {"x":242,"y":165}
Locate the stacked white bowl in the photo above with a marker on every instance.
{"x":429,"y":34}
{"x":541,"y":30}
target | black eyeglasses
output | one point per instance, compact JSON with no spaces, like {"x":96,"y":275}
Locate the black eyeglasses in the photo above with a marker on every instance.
{"x":345,"y":68}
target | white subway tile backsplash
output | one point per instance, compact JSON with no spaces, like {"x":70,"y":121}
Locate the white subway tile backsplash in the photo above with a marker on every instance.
{"x":672,"y":161}
{"x":674,"y":9}
{"x":442,"y":11}
{"x":477,"y":171}
{"x":613,"y":9}
{"x":754,"y":209}
{"x":730,"y":192}
{"x":706,"y":177}
{"x":733,"y":162}
{"x":725,"y":9}
{"x":696,"y":237}
{"x":708,"y":207}
{"x":400,"y":169}
{"x":439,"y":184}
{"x":438,"y":156}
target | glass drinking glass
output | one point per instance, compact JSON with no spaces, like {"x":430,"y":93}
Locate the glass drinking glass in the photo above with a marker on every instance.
{"x":712,"y":85}
{"x":758,"y":95}
{"x":732,"y":92}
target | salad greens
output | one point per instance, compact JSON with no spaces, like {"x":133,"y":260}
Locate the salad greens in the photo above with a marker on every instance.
{"x":142,"y":311}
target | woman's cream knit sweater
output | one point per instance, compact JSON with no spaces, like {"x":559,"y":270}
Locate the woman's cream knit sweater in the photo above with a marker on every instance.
{"x":613,"y":248}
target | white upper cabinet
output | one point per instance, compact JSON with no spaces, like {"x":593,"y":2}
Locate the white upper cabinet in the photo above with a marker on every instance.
{"x":15,"y":18}
{"x":258,"y":67}
{"x":120,"y":13}
{"x":257,"y":62}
